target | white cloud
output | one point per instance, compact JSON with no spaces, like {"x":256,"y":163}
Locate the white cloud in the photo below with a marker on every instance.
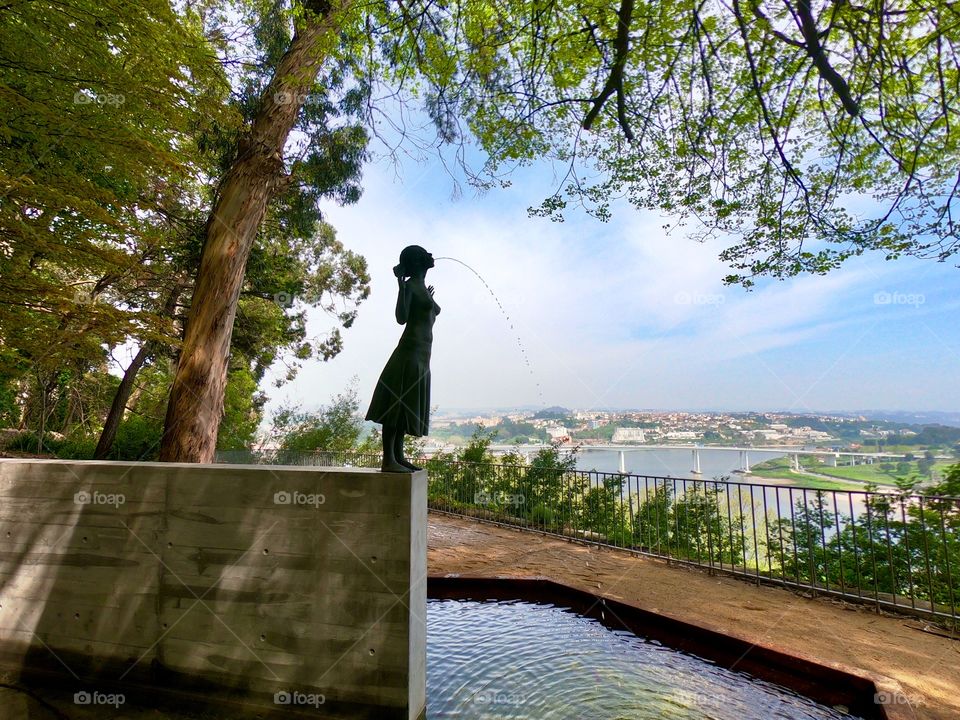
{"x":617,"y":314}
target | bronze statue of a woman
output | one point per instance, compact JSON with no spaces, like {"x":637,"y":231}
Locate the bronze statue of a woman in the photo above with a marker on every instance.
{"x":401,"y":401}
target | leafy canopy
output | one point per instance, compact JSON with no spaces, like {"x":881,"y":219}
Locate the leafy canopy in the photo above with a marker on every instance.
{"x":804,"y":131}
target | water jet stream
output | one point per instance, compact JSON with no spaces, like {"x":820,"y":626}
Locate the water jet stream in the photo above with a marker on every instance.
{"x":520,"y":345}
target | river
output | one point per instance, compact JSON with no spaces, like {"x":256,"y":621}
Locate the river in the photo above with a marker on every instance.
{"x":673,"y":463}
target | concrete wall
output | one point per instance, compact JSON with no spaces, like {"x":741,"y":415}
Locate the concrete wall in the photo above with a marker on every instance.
{"x":242,"y":580}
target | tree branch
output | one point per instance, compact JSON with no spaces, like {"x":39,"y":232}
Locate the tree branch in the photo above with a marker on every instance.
{"x":615,"y":80}
{"x":808,"y":26}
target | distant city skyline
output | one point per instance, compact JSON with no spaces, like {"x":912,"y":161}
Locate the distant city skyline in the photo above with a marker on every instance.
{"x":763,"y":411}
{"x":902,"y":417}
{"x":625,"y":314}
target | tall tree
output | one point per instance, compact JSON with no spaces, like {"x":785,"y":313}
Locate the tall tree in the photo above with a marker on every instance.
{"x":93,"y":138}
{"x":286,"y":275}
{"x":105,"y":156}
{"x":256,"y":174}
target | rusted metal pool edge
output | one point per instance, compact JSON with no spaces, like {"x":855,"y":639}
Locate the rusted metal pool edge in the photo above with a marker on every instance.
{"x":866,"y":694}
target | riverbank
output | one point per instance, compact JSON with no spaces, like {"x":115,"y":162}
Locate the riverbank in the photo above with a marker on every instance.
{"x":818,"y":475}
{"x":715,"y":465}
{"x":808,"y":480}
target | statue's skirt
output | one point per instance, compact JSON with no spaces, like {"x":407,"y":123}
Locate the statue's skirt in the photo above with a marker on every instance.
{"x":402,"y":395}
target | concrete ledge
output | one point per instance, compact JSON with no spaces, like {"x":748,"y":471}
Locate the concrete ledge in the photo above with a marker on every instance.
{"x":254,"y":583}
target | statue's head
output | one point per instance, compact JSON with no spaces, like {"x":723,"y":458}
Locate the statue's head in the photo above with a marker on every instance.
{"x":413,"y":259}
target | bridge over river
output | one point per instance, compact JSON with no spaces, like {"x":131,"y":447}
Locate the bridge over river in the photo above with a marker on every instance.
{"x":830,"y":457}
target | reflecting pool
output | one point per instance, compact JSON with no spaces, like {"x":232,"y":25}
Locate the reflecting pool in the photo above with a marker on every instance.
{"x":493,"y":660}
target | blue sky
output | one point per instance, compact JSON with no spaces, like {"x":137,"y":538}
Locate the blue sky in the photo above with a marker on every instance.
{"x":621,"y":314}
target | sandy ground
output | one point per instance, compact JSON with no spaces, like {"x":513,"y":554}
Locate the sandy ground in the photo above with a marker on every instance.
{"x":926,"y":664}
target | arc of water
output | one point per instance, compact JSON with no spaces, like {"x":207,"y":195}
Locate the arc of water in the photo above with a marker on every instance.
{"x":523,"y":349}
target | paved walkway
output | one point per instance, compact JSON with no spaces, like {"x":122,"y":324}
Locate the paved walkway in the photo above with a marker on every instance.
{"x":927,"y":665}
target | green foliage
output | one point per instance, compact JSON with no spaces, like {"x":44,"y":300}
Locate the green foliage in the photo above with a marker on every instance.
{"x":29,"y":442}
{"x":550,"y":494}
{"x":950,"y":485}
{"x":519,"y":432}
{"x":109,"y":152}
{"x":88,"y":170}
{"x":763,"y":122}
{"x":138,"y":438}
{"x":935,"y":435}
{"x":9,"y":410}
{"x":604,"y":432}
{"x":703,"y":528}
{"x":549,"y":480}
{"x":336,"y":427}
{"x":242,"y":410}
{"x":552,"y":413}
{"x":477,"y":451}
{"x":540,"y":491}
{"x":651,"y":524}
{"x":603,"y":511}
{"x":462,"y":482}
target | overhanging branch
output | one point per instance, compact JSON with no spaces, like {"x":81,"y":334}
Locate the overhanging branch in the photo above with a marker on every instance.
{"x":808,"y":26}
{"x":614,"y":82}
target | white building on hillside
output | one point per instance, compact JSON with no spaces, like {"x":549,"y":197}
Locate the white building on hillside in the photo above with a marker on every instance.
{"x":629,"y":435}
{"x":557,"y":432}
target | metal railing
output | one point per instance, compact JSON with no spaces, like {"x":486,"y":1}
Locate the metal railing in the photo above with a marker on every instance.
{"x":896,"y":551}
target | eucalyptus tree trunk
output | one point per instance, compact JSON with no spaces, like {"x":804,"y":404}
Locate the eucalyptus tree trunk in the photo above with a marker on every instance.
{"x":196,"y":396}
{"x":122,"y":397}
{"x":119,"y":404}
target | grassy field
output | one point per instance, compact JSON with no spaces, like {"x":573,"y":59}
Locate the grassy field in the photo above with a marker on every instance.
{"x":874,"y":473}
{"x":903,"y":449}
{"x":858,"y":474}
{"x":779,"y":469}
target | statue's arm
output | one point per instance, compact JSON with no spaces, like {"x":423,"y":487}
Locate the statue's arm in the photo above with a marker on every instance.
{"x":436,"y":308}
{"x":403,"y":302}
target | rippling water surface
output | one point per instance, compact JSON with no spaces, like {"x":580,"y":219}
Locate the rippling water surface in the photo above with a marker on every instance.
{"x":493,"y":660}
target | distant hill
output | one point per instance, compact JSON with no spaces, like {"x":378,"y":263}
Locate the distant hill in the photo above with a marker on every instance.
{"x":914,"y":417}
{"x":552,"y":413}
